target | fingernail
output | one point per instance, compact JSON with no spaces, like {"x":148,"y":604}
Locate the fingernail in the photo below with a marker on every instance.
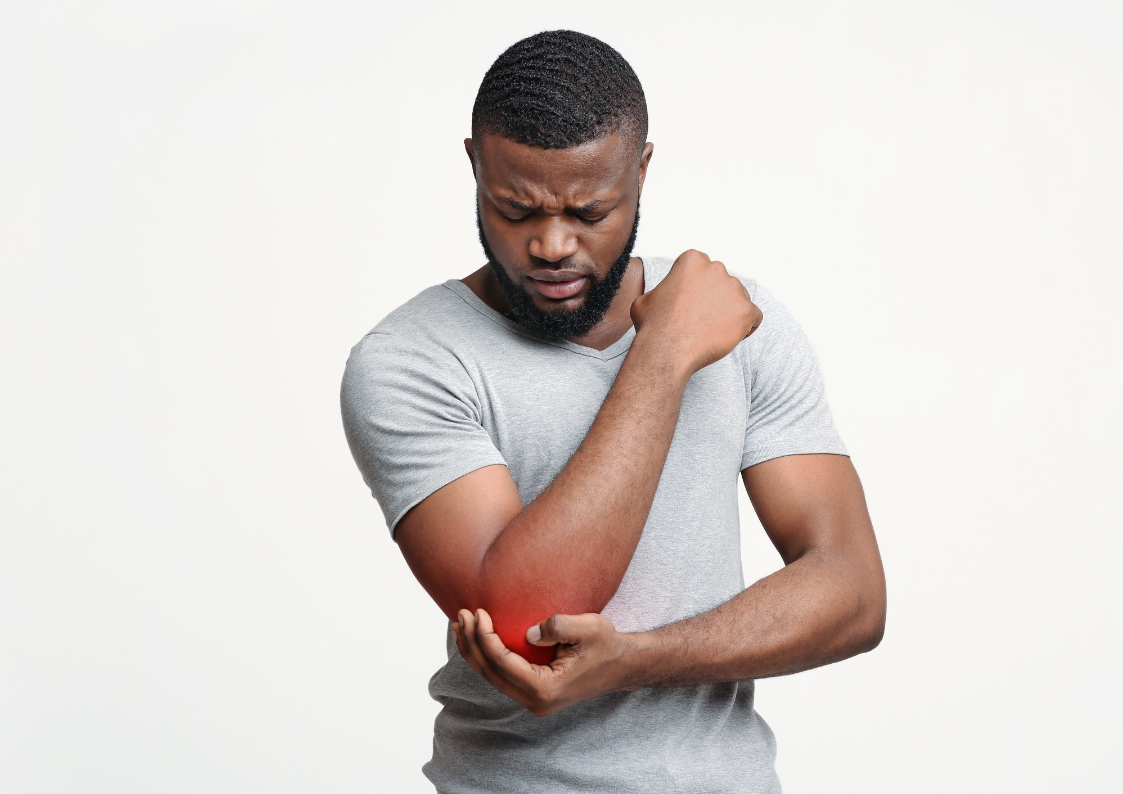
{"x":533,"y":635}
{"x":460,"y":620}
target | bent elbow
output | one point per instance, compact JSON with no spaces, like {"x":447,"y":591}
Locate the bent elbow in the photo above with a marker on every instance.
{"x":874,"y":635}
{"x":872,"y":627}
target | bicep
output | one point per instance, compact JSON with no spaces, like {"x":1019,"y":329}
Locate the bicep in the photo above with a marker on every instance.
{"x":811,"y":501}
{"x":445,"y":536}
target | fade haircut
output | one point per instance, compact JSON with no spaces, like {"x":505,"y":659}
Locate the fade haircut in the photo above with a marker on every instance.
{"x":559,"y":89}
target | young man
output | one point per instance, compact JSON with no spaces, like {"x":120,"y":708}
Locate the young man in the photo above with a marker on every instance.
{"x":555,"y":442}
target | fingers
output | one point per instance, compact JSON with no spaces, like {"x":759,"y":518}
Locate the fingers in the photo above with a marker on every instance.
{"x":462,"y":630}
{"x":568,"y":629}
{"x":468,"y":642}
{"x":554,"y":630}
{"x":691,"y":255}
{"x":462,"y":645}
{"x":478,"y":660}
{"x":512,"y":666}
{"x":756,"y":316}
{"x":534,"y":635}
{"x":584,"y":667}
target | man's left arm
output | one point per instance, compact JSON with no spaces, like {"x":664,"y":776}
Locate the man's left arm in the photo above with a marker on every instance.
{"x":826,"y":604}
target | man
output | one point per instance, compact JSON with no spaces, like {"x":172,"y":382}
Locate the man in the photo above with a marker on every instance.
{"x":555,"y":442}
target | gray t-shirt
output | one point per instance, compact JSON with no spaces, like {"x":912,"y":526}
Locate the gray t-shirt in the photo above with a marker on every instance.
{"x":445,"y":385}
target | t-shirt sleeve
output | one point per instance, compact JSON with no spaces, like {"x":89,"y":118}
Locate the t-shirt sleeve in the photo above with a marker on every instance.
{"x":787,"y":403}
{"x":412,"y":419}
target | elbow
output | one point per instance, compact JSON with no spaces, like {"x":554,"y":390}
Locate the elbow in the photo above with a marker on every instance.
{"x":873,"y":633}
{"x":871,"y":626}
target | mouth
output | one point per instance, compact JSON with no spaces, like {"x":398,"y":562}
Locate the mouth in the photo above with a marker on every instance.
{"x":558,"y":284}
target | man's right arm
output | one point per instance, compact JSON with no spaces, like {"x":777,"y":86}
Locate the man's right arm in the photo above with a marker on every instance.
{"x":472,"y":544}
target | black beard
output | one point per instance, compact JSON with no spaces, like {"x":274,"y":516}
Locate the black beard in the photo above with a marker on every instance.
{"x":560,"y":323}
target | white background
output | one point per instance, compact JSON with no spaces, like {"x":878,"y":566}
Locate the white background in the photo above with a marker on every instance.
{"x":203,"y":205}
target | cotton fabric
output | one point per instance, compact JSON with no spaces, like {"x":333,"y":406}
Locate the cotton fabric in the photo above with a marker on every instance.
{"x":445,"y":385}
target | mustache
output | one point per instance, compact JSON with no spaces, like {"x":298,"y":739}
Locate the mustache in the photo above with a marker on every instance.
{"x":585,"y":268}
{"x":568,"y":266}
{"x":559,"y":323}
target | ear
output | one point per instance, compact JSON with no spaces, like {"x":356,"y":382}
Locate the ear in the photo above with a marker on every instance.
{"x":644,"y":160}
{"x":471,"y":154}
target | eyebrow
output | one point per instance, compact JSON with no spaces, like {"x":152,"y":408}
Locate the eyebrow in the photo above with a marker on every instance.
{"x":591,"y":206}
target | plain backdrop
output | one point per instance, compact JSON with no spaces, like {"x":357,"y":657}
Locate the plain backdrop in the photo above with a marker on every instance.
{"x":203,"y":205}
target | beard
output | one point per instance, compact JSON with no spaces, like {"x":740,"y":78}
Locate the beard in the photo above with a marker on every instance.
{"x":560,"y":323}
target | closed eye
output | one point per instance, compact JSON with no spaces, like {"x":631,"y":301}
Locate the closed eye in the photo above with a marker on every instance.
{"x":592,"y":213}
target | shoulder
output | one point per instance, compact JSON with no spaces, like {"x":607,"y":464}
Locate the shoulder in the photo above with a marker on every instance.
{"x":420,"y":344}
{"x":778,"y":325}
{"x":434,"y":314}
{"x":778,"y":320}
{"x":779,"y":352}
{"x":778,"y":358}
{"x":438,"y":318}
{"x":655,"y":269}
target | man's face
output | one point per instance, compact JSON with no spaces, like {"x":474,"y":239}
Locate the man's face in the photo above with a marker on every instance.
{"x":557,"y":226}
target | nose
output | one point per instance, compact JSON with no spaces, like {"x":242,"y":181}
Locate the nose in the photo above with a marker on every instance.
{"x":553,"y":241}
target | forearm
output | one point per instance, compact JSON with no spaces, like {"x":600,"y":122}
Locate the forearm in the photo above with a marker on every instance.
{"x":587,"y":522}
{"x":822,"y":608}
{"x":474,"y":544}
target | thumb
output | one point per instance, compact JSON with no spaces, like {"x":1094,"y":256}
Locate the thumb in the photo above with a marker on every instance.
{"x":638,"y":310}
{"x":554,"y":630}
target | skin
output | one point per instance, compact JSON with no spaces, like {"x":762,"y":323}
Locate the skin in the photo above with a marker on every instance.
{"x":552,"y":214}
{"x":523,"y":582}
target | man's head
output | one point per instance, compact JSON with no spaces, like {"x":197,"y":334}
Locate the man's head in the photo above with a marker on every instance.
{"x":558,"y":149}
{"x":559,"y":89}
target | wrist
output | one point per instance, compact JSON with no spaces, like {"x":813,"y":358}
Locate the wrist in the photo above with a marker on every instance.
{"x":638,"y":660}
{"x":661,"y":358}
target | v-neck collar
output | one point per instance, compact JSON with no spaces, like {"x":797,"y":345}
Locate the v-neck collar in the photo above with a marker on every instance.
{"x":617,"y":348}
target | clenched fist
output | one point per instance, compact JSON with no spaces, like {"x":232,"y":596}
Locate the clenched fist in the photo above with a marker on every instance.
{"x":697,"y":314}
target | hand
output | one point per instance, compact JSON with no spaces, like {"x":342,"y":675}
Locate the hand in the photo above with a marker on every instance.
{"x":592,"y":659}
{"x":698,"y":313}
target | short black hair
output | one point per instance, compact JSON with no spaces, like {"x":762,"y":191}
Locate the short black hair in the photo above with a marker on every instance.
{"x":559,"y":89}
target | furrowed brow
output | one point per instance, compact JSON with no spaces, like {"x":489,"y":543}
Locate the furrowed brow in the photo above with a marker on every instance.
{"x":592,"y":206}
